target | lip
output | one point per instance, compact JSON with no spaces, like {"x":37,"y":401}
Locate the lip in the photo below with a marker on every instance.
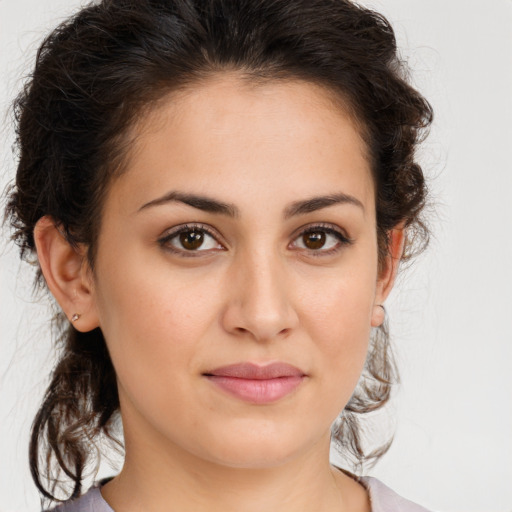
{"x":257,"y":384}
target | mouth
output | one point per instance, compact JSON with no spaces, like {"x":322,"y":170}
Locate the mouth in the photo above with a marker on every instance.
{"x":257,"y":384}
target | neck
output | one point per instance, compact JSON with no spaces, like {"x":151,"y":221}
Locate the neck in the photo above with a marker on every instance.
{"x":160,"y":475}
{"x":155,"y":480}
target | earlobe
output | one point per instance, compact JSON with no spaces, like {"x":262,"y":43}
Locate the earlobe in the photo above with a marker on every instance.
{"x":387,"y":278}
{"x":62,"y":266}
{"x":378,"y":315}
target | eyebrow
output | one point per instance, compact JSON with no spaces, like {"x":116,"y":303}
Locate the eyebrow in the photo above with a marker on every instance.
{"x":204,"y":203}
{"x":317,"y":203}
{"x":211,"y":205}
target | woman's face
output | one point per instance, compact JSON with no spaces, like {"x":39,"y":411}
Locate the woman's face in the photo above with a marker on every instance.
{"x":241,"y":235}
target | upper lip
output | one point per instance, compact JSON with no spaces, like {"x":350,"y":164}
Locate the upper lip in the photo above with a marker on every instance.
{"x":256,"y":371}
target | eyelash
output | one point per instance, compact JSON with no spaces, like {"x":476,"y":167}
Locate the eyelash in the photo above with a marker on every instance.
{"x":343,"y":239}
{"x":164,"y":241}
{"x":325,"y":228}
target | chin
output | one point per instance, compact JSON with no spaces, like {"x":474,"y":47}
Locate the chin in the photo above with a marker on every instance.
{"x":258,"y":447}
{"x":253,"y":457}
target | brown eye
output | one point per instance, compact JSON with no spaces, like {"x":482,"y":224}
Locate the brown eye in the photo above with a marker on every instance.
{"x":191,"y":240}
{"x":321,"y":240}
{"x":314,"y":240}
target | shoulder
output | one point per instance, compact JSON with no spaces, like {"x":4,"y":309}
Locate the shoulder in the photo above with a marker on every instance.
{"x":91,"y":501}
{"x":383,"y":499}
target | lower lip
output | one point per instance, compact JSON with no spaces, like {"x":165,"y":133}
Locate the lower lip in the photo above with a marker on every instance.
{"x":257,"y":391}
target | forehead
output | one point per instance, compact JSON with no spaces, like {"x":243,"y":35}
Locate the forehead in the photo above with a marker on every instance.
{"x":239,"y":136}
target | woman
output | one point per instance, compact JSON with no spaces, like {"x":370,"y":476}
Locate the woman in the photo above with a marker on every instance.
{"x":219,"y":194}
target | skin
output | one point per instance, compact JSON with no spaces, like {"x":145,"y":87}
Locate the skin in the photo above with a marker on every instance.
{"x":253,"y":292}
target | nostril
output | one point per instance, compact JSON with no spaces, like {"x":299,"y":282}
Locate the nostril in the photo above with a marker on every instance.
{"x":264,"y":312}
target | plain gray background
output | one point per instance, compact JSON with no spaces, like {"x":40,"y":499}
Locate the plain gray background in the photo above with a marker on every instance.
{"x":450,"y":313}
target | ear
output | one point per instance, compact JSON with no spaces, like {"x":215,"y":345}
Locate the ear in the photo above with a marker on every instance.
{"x":387,"y":277}
{"x":67,"y":274}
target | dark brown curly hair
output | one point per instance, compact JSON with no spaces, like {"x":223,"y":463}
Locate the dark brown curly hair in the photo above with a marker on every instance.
{"x":100,"y":70}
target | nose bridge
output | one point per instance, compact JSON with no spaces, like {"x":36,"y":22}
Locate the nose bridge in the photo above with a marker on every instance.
{"x":261,"y":303}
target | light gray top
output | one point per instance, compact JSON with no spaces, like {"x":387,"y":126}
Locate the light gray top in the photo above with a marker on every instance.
{"x":382,"y":499}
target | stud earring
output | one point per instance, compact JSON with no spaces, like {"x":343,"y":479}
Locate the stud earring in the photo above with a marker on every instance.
{"x":75,"y":317}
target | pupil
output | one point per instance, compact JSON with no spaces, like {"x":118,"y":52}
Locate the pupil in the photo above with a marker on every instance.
{"x":314,"y":240}
{"x":191,"y":239}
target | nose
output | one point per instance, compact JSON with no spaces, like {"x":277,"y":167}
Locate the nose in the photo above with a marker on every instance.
{"x":260,"y":302}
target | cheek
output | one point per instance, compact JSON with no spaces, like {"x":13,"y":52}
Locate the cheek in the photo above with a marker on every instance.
{"x":154,"y":323}
{"x":340,"y":308}
{"x":339,"y":321}
{"x":153,"y":315}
